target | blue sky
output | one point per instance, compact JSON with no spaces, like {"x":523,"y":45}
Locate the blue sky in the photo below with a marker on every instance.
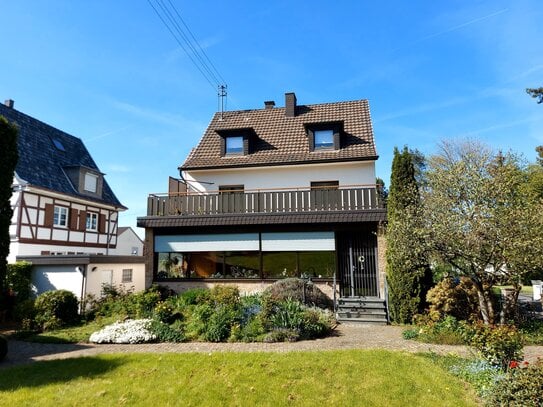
{"x":110,"y":73}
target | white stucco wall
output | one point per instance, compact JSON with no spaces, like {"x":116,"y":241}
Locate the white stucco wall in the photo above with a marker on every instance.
{"x":112,"y":273}
{"x":126,"y":241}
{"x":58,"y":277}
{"x":350,"y":173}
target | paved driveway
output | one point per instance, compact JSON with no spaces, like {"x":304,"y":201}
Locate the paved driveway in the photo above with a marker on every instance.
{"x":346,"y":337}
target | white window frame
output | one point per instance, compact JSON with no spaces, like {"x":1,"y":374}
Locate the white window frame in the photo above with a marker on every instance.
{"x":91,"y":182}
{"x":60,"y":216}
{"x":91,"y":222}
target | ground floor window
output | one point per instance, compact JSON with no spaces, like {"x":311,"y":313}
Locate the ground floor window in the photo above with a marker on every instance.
{"x":246,"y":264}
{"x":318,"y":264}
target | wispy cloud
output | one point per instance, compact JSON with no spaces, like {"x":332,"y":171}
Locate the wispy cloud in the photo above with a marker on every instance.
{"x":499,"y":126}
{"x":117,"y":168}
{"x":453,"y":28}
{"x":175,"y":120}
{"x":107,"y":134}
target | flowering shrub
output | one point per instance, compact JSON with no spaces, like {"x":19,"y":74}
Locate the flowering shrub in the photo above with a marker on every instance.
{"x":445,"y":331}
{"x":164,"y":311}
{"x":129,"y":331}
{"x":479,"y":373}
{"x":499,"y":345}
{"x":454,"y":297}
{"x":522,"y":385}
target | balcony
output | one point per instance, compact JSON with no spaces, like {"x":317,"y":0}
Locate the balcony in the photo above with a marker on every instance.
{"x":270,"y":201}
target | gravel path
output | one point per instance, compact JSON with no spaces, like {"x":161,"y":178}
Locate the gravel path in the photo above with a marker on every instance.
{"x":346,"y":337}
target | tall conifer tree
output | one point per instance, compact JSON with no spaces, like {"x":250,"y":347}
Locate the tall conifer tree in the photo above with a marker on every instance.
{"x":407,"y":265}
{"x":8,"y":160}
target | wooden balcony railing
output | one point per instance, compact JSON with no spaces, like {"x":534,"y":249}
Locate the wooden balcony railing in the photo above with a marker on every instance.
{"x":264,"y":201}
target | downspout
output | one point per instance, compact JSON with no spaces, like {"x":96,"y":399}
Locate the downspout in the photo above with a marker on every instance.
{"x":82,"y":304}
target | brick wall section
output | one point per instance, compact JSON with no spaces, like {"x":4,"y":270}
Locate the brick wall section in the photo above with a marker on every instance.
{"x":245,"y":287}
{"x":381,"y":259}
{"x":148,"y":253}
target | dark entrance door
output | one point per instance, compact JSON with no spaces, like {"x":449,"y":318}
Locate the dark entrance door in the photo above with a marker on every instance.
{"x":357,"y":258}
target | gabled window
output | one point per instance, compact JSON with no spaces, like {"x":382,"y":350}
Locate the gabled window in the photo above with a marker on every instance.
{"x":60,"y":216}
{"x":236,"y":142}
{"x":324,"y":136}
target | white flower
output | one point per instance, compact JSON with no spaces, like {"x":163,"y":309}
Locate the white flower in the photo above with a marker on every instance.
{"x":129,"y":331}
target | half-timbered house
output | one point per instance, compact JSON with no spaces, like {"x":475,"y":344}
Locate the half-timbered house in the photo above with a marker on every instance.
{"x":61,"y":201}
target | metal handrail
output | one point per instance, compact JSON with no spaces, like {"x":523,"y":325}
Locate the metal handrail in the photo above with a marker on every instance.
{"x":386,"y":300}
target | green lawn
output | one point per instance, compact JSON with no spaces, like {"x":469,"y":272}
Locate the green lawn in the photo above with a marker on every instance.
{"x":72,"y":334}
{"x":337,"y":378}
{"x":526,"y":289}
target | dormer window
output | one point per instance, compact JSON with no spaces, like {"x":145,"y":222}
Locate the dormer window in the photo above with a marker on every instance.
{"x":236,"y":142}
{"x":91,"y":182}
{"x":233,"y":145}
{"x":324,"y":136}
{"x":324,"y":139}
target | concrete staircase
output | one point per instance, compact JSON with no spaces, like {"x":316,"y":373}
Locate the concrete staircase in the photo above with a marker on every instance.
{"x":362,"y":310}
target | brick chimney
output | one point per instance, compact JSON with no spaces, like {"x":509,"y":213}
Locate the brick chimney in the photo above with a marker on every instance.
{"x":269,"y":104}
{"x":9,"y":103}
{"x":290,"y":104}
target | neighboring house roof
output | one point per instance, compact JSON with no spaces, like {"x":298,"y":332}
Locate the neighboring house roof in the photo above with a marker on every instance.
{"x":281,"y":139}
{"x":47,"y":153}
{"x":123,"y":229}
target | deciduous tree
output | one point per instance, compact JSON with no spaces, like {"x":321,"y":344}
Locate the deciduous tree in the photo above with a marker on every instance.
{"x":482,"y":219}
{"x":536,"y":93}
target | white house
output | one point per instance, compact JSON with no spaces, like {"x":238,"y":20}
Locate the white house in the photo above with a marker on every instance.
{"x":272,"y":193}
{"x":128,"y":242}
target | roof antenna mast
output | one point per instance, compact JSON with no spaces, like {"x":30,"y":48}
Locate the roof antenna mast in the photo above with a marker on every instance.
{"x":222,"y":98}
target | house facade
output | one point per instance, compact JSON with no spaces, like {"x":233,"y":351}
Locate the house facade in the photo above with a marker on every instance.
{"x":62,"y":204}
{"x":272,"y":193}
{"x":128,"y":242}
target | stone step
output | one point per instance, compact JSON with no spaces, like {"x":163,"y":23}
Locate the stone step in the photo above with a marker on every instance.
{"x":373,"y":305}
{"x":361,"y":314}
{"x":368,"y":321}
{"x":361,"y":301}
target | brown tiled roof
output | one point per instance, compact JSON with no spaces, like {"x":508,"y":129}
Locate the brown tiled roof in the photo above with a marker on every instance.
{"x":283,"y":140}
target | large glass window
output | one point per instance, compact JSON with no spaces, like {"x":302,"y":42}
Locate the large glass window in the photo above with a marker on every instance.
{"x":208,"y":265}
{"x":279,"y":264}
{"x":317,"y":264}
{"x":246,"y":265}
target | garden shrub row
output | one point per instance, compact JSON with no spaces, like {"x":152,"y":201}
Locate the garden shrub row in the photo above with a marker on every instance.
{"x":220,"y":314}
